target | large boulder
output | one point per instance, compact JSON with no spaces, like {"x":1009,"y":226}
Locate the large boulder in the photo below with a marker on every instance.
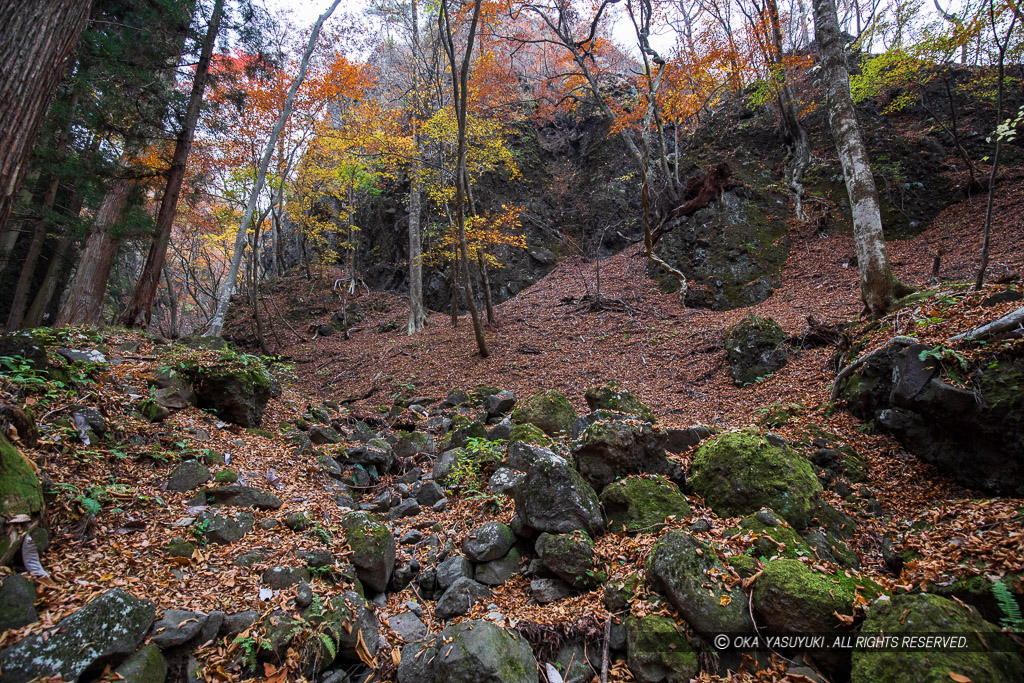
{"x":570,"y":557}
{"x":373,"y":549}
{"x":348,"y":620}
{"x":658,"y":651}
{"x":550,"y":411}
{"x":236,"y":394}
{"x":460,"y":598}
{"x":147,"y":665}
{"x":237,"y":495}
{"x":640,"y":504}
{"x":688,"y":572}
{"x":974,"y":434}
{"x":741,"y":472}
{"x":17,"y":602}
{"x":986,"y":658}
{"x":21,"y":499}
{"x":481,"y":652}
{"x":612,"y":396}
{"x":103,"y":632}
{"x":556,"y":499}
{"x":488,"y":542}
{"x":755,"y":349}
{"x":769,"y":537}
{"x":790,"y":597}
{"x":618,"y":447}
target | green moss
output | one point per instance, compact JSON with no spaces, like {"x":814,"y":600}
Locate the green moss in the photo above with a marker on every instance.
{"x":931,"y":614}
{"x":550,"y":411}
{"x":790,"y":597}
{"x":745,"y":566}
{"x":20,"y":490}
{"x":530,"y":434}
{"x":658,"y":650}
{"x":740,"y":472}
{"x":641,"y":504}
{"x":226,"y":476}
{"x":612,"y":396}
{"x":771,"y":541}
{"x":1002,"y":387}
{"x":752,"y":349}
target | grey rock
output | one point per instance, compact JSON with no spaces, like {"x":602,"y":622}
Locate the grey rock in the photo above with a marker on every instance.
{"x":618,"y":447}
{"x":452,"y":569}
{"x":497,"y":572}
{"x":679,"y":440}
{"x":549,"y":590}
{"x":279,"y":578}
{"x":108,"y":628}
{"x":373,"y":549}
{"x":147,"y":665}
{"x":188,"y":475}
{"x":408,"y":626}
{"x":418,"y":663}
{"x":488,"y":542}
{"x":17,"y":602}
{"x":324,"y":435}
{"x":499,"y":403}
{"x":375,"y":452}
{"x":82,"y":356}
{"x":505,"y":481}
{"x":407,"y":508}
{"x":411,"y":536}
{"x":237,"y":495}
{"x":460,"y":598}
{"x":556,"y":499}
{"x":177,"y":627}
{"x":238,"y":622}
{"x":481,"y":652}
{"x":303,"y":595}
{"x":223,"y":529}
{"x":429,"y":493}
{"x":440,"y":506}
{"x":92,"y":418}
{"x":523,"y":455}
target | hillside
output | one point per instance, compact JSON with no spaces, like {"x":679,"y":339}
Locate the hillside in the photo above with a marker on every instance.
{"x":113,"y":523}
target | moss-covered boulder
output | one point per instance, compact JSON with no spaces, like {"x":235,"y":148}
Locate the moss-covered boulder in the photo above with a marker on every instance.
{"x":555,"y":498}
{"x":17,"y":602}
{"x":549,"y":411}
{"x":755,"y":349}
{"x":612,"y":396}
{"x":236,"y":394}
{"x":658,"y":651}
{"x":741,"y":472}
{"x":21,"y":499}
{"x":770,"y":537}
{"x":107,"y":629}
{"x":922,"y":613}
{"x":347,"y":620}
{"x":618,"y":447}
{"x":570,"y":557}
{"x":147,"y":665}
{"x":480,"y":652}
{"x":688,"y":572}
{"x":640,"y":504}
{"x":790,"y":597}
{"x":373,"y":549}
{"x":528,"y":433}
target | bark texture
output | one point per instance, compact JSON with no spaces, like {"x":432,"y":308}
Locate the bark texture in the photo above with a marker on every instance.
{"x":85,"y":298}
{"x":36,"y":39}
{"x":877,"y":285}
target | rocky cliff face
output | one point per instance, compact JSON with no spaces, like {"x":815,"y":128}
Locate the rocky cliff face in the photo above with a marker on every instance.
{"x":581,"y":194}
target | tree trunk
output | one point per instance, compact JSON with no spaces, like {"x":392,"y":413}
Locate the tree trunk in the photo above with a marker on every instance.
{"x":85,"y":302}
{"x":140,"y":310}
{"x":48,"y":288}
{"x":36,"y":39}
{"x":417,"y":315}
{"x":172,"y":303}
{"x":485,"y":283}
{"x":878,"y":286}
{"x":460,"y":83}
{"x":224,"y":296}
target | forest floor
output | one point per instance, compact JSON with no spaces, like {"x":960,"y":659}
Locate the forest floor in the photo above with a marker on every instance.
{"x":671,"y":357}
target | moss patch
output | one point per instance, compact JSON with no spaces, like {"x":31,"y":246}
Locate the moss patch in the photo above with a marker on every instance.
{"x":740,"y":472}
{"x":641,"y":504}
{"x":659,"y":651}
{"x":550,"y":411}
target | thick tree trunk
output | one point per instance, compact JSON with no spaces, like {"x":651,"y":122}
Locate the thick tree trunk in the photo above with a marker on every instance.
{"x":485,"y":284}
{"x":224,"y":295}
{"x":59,"y":263}
{"x":36,"y":39}
{"x":85,"y":302}
{"x":877,"y":284}
{"x":172,"y":303}
{"x":140,"y":310}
